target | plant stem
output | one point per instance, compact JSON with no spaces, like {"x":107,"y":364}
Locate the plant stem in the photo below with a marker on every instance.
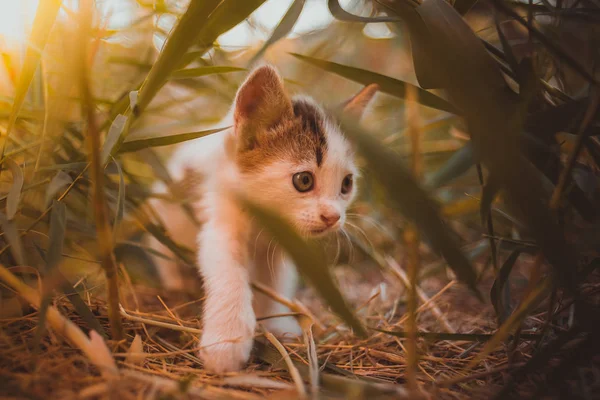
{"x":103,"y":231}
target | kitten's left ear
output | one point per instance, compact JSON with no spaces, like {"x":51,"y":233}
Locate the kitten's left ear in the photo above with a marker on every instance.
{"x":356,"y":106}
{"x":260,"y":103}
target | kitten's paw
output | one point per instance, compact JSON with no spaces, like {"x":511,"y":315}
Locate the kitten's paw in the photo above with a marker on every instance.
{"x":286,"y":328}
{"x":226,"y":351}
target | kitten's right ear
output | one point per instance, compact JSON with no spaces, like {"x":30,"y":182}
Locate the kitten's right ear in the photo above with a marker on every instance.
{"x":356,"y":106}
{"x":260,"y":103}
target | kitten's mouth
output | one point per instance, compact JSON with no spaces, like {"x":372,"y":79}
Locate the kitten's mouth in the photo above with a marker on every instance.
{"x":324,"y":231}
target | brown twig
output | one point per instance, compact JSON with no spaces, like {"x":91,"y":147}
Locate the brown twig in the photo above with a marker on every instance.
{"x":103,"y":231}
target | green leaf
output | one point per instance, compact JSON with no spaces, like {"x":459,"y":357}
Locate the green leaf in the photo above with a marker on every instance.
{"x":13,"y":238}
{"x":488,"y":194}
{"x":58,"y":224}
{"x":42,"y":24}
{"x":494,"y":117}
{"x":386,"y":84}
{"x":113,"y":137}
{"x":14,"y":193}
{"x":309,"y":261}
{"x":183,"y":36}
{"x":459,"y":163}
{"x":139,"y":144}
{"x":411,"y":200}
{"x":120,"y":207}
{"x":529,"y":304}
{"x":202,"y":23}
{"x":500,"y":291}
{"x":203,"y":71}
{"x":60,"y":180}
{"x":283,"y":28}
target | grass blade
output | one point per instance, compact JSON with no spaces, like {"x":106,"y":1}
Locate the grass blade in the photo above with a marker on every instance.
{"x":459,"y":163}
{"x":14,"y":193}
{"x":112,"y":137}
{"x":500,"y":291}
{"x":60,"y":180}
{"x":310,"y":263}
{"x":386,"y":84}
{"x":120,"y":207}
{"x":139,"y":144}
{"x":179,"y":42}
{"x":494,"y":117}
{"x":203,"y":71}
{"x":13,"y":238}
{"x":412,"y":201}
{"x":528,"y":304}
{"x":283,"y":28}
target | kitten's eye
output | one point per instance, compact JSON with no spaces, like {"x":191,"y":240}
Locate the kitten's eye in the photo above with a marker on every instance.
{"x":347,"y":184}
{"x":303,"y":181}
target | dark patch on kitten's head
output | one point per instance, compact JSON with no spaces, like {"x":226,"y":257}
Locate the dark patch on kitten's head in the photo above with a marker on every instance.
{"x":312,"y":121}
{"x":300,"y":137}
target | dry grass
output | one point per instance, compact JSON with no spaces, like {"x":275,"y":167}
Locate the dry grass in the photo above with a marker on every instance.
{"x":169,"y":365}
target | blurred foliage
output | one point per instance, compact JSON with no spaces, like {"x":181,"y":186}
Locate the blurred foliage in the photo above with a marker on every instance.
{"x":508,"y":134}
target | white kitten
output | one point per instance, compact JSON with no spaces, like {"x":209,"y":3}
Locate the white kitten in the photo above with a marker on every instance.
{"x":285,"y":154}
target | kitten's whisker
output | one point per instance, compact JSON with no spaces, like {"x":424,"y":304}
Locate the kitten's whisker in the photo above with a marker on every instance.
{"x":256,"y":241}
{"x":350,"y":246}
{"x":362,"y":232}
{"x":368,"y":219}
{"x":338,"y":250}
{"x":269,"y":265}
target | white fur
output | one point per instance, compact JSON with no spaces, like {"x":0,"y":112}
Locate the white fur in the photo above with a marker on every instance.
{"x":232,"y":251}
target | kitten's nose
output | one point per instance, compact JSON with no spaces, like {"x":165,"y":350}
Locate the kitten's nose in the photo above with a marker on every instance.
{"x":330,"y":218}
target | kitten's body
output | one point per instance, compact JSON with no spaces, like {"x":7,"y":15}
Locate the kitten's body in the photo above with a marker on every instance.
{"x":284,"y":154}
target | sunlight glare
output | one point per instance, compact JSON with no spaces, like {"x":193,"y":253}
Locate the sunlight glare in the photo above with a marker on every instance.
{"x":16,"y":17}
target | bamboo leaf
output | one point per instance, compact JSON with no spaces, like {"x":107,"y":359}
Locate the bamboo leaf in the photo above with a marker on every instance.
{"x":201,"y":24}
{"x":283,"y":28}
{"x":386,"y":84}
{"x":60,"y":180}
{"x":58,"y":224}
{"x":500,"y":291}
{"x":183,"y":36}
{"x":14,"y":193}
{"x":411,"y":200}
{"x":488,"y":194}
{"x":13,"y":238}
{"x":494,"y":117}
{"x":120,"y":207}
{"x":310,"y":262}
{"x":139,"y":144}
{"x":42,"y":24}
{"x":203,"y":71}
{"x":459,"y":163}
{"x":112,"y":137}
{"x":535,"y":298}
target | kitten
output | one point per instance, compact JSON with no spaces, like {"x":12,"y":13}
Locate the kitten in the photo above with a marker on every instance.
{"x":285,"y":154}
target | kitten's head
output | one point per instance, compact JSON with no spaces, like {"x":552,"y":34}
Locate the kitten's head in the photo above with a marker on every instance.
{"x":292,"y":157}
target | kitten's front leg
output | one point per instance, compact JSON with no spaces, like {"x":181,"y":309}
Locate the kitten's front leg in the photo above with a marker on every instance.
{"x":228,"y":320}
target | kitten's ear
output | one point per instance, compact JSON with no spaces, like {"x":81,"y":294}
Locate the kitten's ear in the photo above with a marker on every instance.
{"x":356,"y":106}
{"x":260,"y":103}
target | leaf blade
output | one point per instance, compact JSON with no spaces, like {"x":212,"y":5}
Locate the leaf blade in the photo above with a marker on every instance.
{"x":308,"y":260}
{"x":386,"y":84}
